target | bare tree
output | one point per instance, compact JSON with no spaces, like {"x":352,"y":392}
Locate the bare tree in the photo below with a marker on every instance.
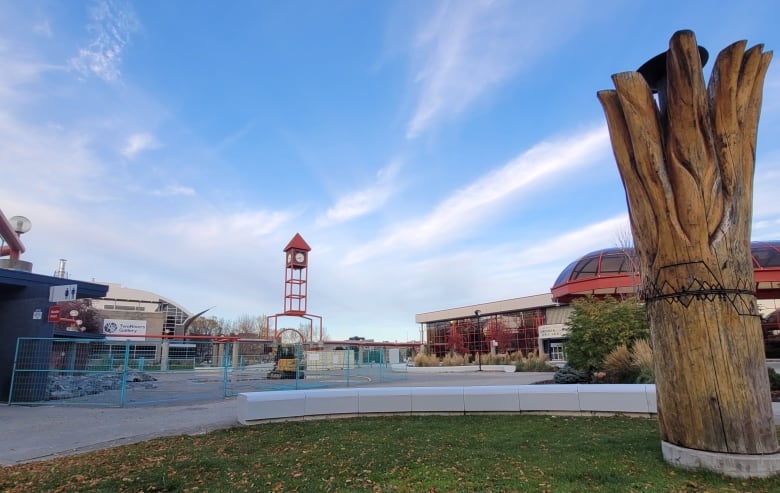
{"x":204,"y":326}
{"x":246,"y":324}
{"x":262,"y":326}
{"x":227,"y":327}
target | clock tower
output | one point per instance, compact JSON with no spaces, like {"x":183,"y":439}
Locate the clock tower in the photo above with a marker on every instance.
{"x":296,"y":274}
{"x":296,"y":255}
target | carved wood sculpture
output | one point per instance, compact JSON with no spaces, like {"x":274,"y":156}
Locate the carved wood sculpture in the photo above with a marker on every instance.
{"x":687,"y":167}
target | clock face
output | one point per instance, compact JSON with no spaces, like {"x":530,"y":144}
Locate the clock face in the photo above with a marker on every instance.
{"x":300,"y":257}
{"x":289,"y":258}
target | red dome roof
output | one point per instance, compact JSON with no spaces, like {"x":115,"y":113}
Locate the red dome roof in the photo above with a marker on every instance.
{"x":614,"y":271}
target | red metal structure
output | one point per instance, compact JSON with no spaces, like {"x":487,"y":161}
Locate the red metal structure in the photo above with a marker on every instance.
{"x":296,"y":273}
{"x":14,"y":246}
{"x":296,"y":276}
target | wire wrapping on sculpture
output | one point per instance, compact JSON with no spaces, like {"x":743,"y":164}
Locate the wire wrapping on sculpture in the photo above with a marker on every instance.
{"x":742,"y":297}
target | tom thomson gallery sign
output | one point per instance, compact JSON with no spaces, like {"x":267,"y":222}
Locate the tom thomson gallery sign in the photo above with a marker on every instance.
{"x":124,"y":329}
{"x":553,"y":331}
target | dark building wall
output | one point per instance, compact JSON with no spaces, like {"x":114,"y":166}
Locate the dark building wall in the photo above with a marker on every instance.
{"x":22,"y":294}
{"x":17,"y":307}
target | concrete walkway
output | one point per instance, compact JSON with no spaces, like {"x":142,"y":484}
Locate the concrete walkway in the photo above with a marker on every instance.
{"x":31,"y":433}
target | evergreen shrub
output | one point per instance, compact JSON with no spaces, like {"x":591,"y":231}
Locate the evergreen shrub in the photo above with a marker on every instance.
{"x":567,"y":374}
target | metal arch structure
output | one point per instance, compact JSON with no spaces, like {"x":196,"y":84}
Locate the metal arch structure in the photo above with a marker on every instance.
{"x":277,"y":332}
{"x":278,"y":337}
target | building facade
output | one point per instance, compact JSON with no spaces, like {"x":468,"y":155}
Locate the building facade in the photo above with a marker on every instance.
{"x":539,"y":322}
{"x":517,"y":324}
{"x":135,"y":312}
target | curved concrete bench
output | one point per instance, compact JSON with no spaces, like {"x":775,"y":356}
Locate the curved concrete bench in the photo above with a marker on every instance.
{"x":257,"y":407}
{"x":454,"y":369}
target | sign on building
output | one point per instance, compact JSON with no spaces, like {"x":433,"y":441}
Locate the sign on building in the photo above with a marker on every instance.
{"x":553,"y":331}
{"x":124,"y":329}
{"x":62,"y":293}
{"x":54,"y":314}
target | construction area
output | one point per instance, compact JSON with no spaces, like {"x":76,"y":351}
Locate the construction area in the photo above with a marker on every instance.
{"x":195,"y":368}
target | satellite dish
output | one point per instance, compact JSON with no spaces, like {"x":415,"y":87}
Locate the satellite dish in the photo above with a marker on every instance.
{"x":20,"y":224}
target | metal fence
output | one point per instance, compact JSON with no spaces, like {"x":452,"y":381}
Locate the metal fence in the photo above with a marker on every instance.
{"x":148,"y":371}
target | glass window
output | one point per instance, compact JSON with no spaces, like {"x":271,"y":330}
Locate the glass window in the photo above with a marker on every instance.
{"x":613,"y":264}
{"x":766,"y":256}
{"x":557,"y":352}
{"x":563,"y":278}
{"x":586,"y":268}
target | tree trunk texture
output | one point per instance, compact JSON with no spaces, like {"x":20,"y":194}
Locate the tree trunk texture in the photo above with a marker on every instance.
{"x":687,"y":168}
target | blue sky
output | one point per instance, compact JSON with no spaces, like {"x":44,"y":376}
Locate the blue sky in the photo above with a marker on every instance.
{"x":433,"y":154}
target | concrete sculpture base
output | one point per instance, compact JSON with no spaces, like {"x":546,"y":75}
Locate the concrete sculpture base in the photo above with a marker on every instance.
{"x":734,"y":465}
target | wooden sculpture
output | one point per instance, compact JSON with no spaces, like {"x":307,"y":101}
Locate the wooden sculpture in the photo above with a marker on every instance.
{"x":687,"y":165}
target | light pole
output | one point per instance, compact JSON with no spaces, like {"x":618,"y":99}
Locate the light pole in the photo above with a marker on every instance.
{"x":479,"y":339}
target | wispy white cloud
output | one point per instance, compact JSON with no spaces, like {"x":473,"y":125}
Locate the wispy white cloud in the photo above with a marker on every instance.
{"x":18,"y":70}
{"x":766,"y":228}
{"x":112,"y":24}
{"x":478,"y":202}
{"x":49,"y":161}
{"x":574,"y":244}
{"x":213,"y":227}
{"x":766,"y":208}
{"x":174,"y":190}
{"x":771,"y":101}
{"x":43,"y":28}
{"x":137,"y":143}
{"x":365,"y":201}
{"x":236,"y":136}
{"x":469,"y":48}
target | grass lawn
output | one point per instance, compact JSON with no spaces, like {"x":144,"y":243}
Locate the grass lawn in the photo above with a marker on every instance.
{"x":487,"y":453}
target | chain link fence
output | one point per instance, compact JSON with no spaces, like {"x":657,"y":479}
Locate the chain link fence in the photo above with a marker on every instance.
{"x":120,"y":373}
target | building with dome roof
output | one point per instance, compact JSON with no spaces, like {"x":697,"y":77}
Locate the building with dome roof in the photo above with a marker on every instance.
{"x":155,"y":314}
{"x":614,"y":271}
{"x":539,"y":322}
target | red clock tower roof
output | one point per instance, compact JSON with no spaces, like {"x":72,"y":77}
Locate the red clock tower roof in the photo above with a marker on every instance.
{"x":297,"y":243}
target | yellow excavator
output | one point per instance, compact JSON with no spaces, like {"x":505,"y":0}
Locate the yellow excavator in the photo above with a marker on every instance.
{"x":286,"y":364}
